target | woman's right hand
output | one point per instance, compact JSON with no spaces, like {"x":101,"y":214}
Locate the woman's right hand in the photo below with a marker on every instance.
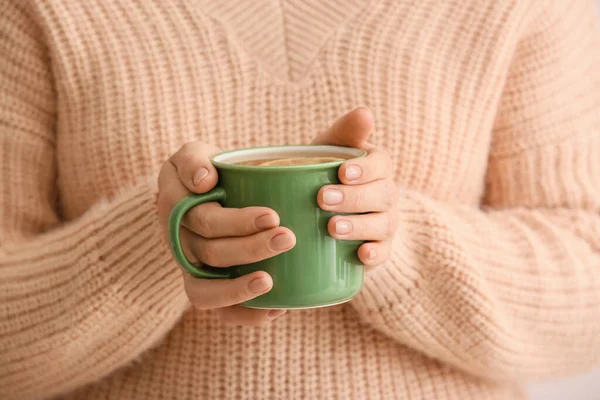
{"x":220,"y":237}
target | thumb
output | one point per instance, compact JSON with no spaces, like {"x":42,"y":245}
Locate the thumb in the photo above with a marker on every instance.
{"x":194,"y":168}
{"x":351,"y":130}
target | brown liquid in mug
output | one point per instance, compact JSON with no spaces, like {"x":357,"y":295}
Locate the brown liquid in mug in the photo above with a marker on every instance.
{"x":289,"y":161}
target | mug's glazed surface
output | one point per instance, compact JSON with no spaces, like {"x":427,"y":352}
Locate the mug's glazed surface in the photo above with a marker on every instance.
{"x":320,"y":270}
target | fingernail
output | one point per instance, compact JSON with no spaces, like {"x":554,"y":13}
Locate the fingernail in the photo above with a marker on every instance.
{"x":282,"y":241}
{"x":275,"y":313}
{"x":199,"y":175}
{"x":365,"y":108}
{"x":343,"y":227}
{"x":332,"y":197}
{"x":372,"y":254}
{"x":353,"y":172}
{"x":265,"y":221}
{"x":258,"y":285}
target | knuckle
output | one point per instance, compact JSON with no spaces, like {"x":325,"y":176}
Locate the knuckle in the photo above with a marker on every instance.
{"x":210,"y":254}
{"x":198,"y":305}
{"x":387,"y":251}
{"x":245,"y":221}
{"x":257,"y":251}
{"x":390,"y":198}
{"x":236,"y":294}
{"x":163,"y":204}
{"x":187,"y":250}
{"x":358,"y":199}
{"x":362,"y":229}
{"x":202,"y":222}
{"x":188,"y":158}
{"x":195,"y":297}
{"x":161,"y":178}
{"x":188,"y":148}
{"x":392,"y":224}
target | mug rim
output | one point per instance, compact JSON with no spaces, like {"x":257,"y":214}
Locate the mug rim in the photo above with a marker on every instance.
{"x":354,"y":153}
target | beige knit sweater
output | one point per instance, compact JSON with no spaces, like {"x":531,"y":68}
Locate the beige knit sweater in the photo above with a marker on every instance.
{"x":490,"y":109}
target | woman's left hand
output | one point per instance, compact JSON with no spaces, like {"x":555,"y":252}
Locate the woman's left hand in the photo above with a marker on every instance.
{"x":367,"y":188}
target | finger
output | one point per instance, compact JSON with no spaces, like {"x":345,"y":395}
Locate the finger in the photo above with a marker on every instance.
{"x":194,"y":168}
{"x":211,"y":220}
{"x":351,"y":130}
{"x":226,"y":252}
{"x":372,"y":226}
{"x":244,"y":316}
{"x":170,"y":189}
{"x":376,"y":165}
{"x":375,"y":196}
{"x":188,"y":238}
{"x":373,"y":254}
{"x":207,"y":294}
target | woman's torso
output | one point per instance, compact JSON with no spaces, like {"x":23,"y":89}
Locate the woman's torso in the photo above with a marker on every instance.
{"x":135,"y":80}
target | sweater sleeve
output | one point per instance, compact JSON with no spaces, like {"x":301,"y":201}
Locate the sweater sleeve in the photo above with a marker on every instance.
{"x":80,"y":299}
{"x":510,"y":290}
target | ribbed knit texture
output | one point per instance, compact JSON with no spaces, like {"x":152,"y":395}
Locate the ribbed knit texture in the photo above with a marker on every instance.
{"x":490,"y":110}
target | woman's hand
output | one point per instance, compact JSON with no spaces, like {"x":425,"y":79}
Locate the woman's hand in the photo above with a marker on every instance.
{"x":367,"y":188}
{"x":221,"y":237}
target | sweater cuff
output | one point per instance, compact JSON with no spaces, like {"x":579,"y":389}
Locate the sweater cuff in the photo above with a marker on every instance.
{"x":90,"y":296}
{"x":392,"y":284}
{"x":135,"y":255}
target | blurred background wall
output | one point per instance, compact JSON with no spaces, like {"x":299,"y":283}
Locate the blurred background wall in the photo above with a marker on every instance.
{"x":584,"y":387}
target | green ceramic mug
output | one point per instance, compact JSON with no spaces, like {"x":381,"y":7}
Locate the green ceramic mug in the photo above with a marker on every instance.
{"x":320,"y":270}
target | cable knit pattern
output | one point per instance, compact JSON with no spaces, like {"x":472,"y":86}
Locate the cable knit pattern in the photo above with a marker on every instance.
{"x":490,"y":109}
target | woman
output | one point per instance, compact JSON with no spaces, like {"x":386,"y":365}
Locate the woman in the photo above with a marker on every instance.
{"x":484,"y":141}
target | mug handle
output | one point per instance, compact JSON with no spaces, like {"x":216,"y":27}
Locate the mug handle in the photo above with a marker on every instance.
{"x":177,"y":213}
